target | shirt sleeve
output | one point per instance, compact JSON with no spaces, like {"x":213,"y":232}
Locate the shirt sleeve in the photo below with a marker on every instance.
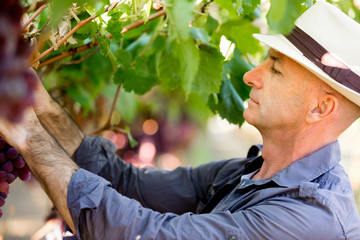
{"x":99,"y":212}
{"x":177,"y":191}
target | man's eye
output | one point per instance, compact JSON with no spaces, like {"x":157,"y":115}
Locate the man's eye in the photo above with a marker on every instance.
{"x":274,"y":70}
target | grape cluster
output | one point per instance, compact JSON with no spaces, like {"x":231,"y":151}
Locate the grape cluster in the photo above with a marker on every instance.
{"x":16,"y":83}
{"x":12,"y":166}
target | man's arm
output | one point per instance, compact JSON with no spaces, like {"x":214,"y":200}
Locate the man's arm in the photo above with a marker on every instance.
{"x":49,"y":163}
{"x":56,"y":120}
{"x":99,"y":212}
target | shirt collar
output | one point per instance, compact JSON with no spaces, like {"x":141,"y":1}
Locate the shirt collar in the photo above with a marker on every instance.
{"x":304,"y":169}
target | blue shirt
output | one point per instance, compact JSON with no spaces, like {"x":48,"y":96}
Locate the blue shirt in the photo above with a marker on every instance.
{"x":310,"y":199}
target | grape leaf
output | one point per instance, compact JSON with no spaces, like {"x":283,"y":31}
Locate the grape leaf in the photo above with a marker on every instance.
{"x":237,"y":67}
{"x":123,"y":58}
{"x":249,"y":6}
{"x":230,"y":106}
{"x":229,"y":6}
{"x":81,"y":96}
{"x":179,"y":20}
{"x":241,"y":32}
{"x":201,"y":35}
{"x":167,"y":67}
{"x":283,"y":13}
{"x":104,"y":44}
{"x":211,"y":25}
{"x":133,"y":80}
{"x":208,"y":78}
{"x":114,"y":27}
{"x":189,"y":58}
{"x":86,"y":31}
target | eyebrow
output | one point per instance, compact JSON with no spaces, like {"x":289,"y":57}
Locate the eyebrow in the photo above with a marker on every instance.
{"x":273,"y":56}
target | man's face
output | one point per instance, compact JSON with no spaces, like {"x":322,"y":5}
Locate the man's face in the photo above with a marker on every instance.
{"x":281,"y":95}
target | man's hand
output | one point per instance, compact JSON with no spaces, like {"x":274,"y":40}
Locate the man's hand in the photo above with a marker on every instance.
{"x":43,"y":101}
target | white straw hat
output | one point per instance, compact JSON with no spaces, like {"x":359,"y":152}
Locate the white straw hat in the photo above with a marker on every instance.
{"x":326,"y":42}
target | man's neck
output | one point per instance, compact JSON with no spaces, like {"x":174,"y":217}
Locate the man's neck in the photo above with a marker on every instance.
{"x":281,"y":150}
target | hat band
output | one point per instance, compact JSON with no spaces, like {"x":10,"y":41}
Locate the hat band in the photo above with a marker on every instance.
{"x":323,"y":59}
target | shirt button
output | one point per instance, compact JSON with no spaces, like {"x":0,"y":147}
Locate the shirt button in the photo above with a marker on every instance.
{"x":233,"y":237}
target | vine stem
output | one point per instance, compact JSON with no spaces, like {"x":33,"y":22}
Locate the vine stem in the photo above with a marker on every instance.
{"x":140,"y":22}
{"x":69,"y":53}
{"x":127,"y":28}
{"x":34,"y":16}
{"x":72,"y":31}
{"x":108,"y":122}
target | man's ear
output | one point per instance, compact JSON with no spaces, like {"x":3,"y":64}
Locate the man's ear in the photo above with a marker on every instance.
{"x":325,"y":107}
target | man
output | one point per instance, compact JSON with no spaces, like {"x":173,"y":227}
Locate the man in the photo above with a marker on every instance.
{"x":296,"y":190}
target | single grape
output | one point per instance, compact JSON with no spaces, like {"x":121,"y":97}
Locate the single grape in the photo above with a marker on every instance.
{"x":8,"y":166}
{"x":24,"y":174}
{"x":3,"y":175}
{"x":3,"y":194}
{"x":3,"y":157}
{"x":15,"y":172}
{"x":18,"y":162}
{"x":2,"y":201}
{"x":12,"y":153}
{"x":10,"y":178}
{"x":1,"y":213}
{"x":4,"y":186}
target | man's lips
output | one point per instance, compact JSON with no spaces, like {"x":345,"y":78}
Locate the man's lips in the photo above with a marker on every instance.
{"x":252,"y":99}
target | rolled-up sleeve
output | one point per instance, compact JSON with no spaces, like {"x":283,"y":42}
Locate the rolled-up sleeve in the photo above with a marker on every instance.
{"x":99,"y":212}
{"x":177,"y":191}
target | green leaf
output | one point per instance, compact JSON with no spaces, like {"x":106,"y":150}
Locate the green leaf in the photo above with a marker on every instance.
{"x":189,"y":58}
{"x":180,"y":13}
{"x":94,"y":6}
{"x":249,"y":6}
{"x":208,"y":78}
{"x":241,"y":32}
{"x":229,"y":6}
{"x":104,"y":44}
{"x":123,"y":58}
{"x":133,"y":80}
{"x":230,"y":106}
{"x":167,"y":67}
{"x":283,"y":13}
{"x":100,"y":69}
{"x":114,"y":27}
{"x":86,"y":31}
{"x":81,"y":96}
{"x":211,"y":25}
{"x":237,"y":67}
{"x":58,"y":9}
{"x":201,"y":35}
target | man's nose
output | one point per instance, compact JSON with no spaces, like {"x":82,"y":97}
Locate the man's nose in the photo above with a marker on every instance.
{"x":253,"y":78}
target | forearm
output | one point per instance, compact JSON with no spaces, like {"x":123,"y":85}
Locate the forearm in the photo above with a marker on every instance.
{"x":51,"y":166}
{"x":60,"y":124}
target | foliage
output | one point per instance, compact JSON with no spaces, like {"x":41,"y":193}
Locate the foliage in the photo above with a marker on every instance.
{"x":176,"y":55}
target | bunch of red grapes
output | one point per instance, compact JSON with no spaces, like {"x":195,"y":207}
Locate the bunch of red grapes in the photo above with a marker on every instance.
{"x":12,"y":166}
{"x":16,"y":83}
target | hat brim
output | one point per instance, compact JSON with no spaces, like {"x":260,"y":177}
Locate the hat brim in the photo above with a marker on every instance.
{"x":282,"y":45}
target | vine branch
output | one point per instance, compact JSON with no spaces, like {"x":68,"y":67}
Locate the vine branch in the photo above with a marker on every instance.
{"x":72,"y":31}
{"x":108,"y":122}
{"x":127,"y":28}
{"x":34,"y":16}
